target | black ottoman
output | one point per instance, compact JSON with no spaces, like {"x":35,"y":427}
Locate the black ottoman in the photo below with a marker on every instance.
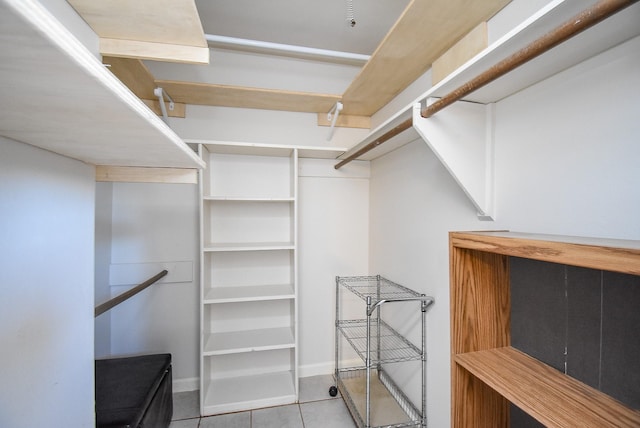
{"x":134,"y":392}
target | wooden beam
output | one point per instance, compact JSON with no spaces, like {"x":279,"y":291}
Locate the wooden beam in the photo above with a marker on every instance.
{"x":137,"y":77}
{"x":134,"y":74}
{"x":345,"y":121}
{"x":124,"y":174}
{"x":470,"y":45}
{"x":245,"y":97}
{"x":426,"y":29}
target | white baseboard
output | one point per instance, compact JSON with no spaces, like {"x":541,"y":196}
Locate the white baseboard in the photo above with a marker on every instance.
{"x":316,"y":369}
{"x":186,"y":384}
{"x":326,"y":368}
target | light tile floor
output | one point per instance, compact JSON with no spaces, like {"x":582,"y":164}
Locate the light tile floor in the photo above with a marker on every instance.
{"x":316,"y":409}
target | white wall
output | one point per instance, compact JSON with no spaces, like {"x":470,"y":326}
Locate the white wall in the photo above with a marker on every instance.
{"x":158,"y":223}
{"x":334,"y":240}
{"x":46,"y":289}
{"x":102,"y":327}
{"x":566,"y":163}
{"x":567,"y":151}
{"x":261,"y":126}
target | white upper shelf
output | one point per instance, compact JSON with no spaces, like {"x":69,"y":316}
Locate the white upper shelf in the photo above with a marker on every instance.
{"x":617,"y":29}
{"x":56,"y":95}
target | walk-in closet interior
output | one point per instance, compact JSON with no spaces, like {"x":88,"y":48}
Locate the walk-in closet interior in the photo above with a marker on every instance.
{"x":425,"y":210}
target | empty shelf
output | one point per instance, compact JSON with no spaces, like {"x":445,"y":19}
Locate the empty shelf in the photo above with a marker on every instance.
{"x":252,"y":293}
{"x":235,"y":394}
{"x":248,"y":246}
{"x":393,"y":346}
{"x":378,"y":288}
{"x":389,"y":407}
{"x":235,"y":342}
{"x":537,"y":389}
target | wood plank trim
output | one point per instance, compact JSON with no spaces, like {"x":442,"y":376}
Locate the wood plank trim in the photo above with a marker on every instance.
{"x":469,"y":46}
{"x":247,"y":97}
{"x":154,"y":51}
{"x":551,"y":397}
{"x":128,"y":174}
{"x":606,"y":254}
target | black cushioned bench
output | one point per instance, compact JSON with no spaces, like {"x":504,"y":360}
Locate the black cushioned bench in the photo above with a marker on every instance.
{"x":134,"y":392}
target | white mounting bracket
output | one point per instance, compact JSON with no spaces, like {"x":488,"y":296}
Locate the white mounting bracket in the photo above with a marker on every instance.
{"x":461,"y":136}
{"x":333,"y":117}
{"x":160,"y":93}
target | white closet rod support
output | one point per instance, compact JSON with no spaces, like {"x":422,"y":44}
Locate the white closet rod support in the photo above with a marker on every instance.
{"x":160,"y":93}
{"x":333,"y":117}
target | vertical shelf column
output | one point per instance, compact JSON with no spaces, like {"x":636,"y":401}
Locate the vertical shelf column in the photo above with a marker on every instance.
{"x":249,"y":310}
{"x":479,"y":292}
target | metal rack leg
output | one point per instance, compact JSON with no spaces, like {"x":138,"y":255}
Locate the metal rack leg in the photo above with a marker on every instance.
{"x":336,"y":326}
{"x":368,"y":364}
{"x":423,"y":308}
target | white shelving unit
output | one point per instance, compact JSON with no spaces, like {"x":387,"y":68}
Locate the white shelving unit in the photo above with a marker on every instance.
{"x":249,"y":273}
{"x":249,"y":277}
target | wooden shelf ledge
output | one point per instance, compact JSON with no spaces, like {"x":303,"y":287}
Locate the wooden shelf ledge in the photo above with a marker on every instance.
{"x":616,"y":255}
{"x":551,"y":397}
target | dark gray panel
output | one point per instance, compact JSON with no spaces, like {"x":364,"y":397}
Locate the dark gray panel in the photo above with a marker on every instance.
{"x":620,"y":372}
{"x":584,"y":288}
{"x":520,"y":419}
{"x":539,"y":310}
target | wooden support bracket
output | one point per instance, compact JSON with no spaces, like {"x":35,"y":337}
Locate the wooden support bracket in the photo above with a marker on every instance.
{"x":462,"y":139}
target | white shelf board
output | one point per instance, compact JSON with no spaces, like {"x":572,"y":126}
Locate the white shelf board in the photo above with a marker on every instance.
{"x":609,"y":33}
{"x":252,"y":293}
{"x":248,"y":392}
{"x":57,"y":96}
{"x":243,"y":148}
{"x":245,"y":199}
{"x":248,"y":246}
{"x":236,"y":342}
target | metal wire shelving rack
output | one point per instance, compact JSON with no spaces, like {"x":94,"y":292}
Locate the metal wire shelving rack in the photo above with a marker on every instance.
{"x":377,"y":343}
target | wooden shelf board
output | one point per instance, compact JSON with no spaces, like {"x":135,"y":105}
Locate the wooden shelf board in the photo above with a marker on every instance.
{"x":551,"y":397}
{"x":425,"y":31}
{"x":171,"y":28}
{"x":130,"y":174}
{"x":248,"y":392}
{"x":49,"y":80}
{"x":252,"y":293}
{"x":616,"y":255}
{"x":247,"y":97}
{"x":235,"y":342}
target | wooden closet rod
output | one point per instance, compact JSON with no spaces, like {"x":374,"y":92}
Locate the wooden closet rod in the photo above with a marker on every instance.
{"x":104,"y":307}
{"x":384,"y":137}
{"x":580,"y":22}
